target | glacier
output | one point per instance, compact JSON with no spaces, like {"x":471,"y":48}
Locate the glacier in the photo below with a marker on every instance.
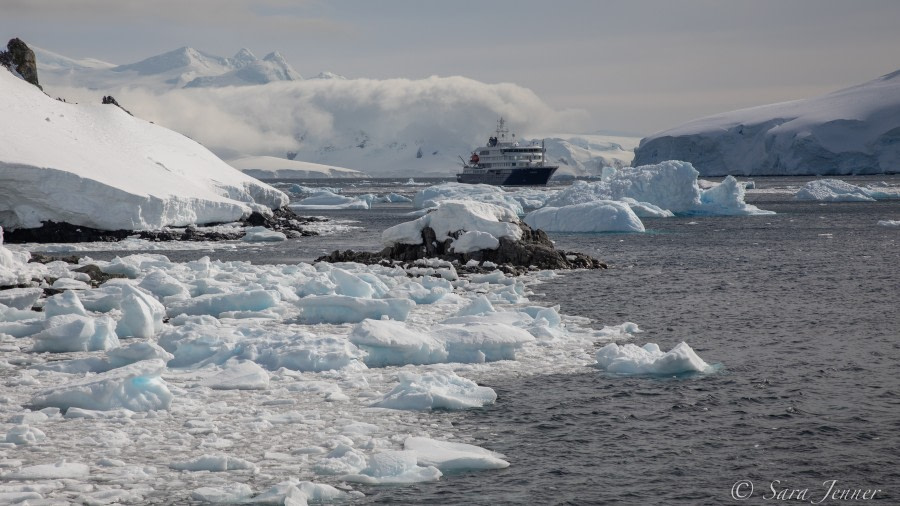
{"x":855,"y":130}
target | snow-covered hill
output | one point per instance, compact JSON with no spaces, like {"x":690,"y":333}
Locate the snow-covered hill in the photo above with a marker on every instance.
{"x":390,"y":127}
{"x":851,"y":131}
{"x":97,"y":166}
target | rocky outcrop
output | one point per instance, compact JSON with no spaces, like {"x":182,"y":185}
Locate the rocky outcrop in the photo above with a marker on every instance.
{"x":20,"y":58}
{"x":533,"y":250}
{"x":283,"y":220}
{"x":108,"y":99}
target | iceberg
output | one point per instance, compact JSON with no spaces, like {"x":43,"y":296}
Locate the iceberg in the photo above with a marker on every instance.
{"x":650,"y":360}
{"x":596,"y":216}
{"x":667,"y":186}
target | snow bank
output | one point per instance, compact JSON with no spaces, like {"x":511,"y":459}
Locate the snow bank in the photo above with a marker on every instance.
{"x":452,"y":216}
{"x":649,"y":359}
{"x":137,"y":387}
{"x":596,"y":216}
{"x":436,"y":390}
{"x":453,"y":457}
{"x":109,"y":170}
{"x":835,"y":190}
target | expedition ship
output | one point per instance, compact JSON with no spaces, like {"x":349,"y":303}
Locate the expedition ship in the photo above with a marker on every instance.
{"x":504,"y":162}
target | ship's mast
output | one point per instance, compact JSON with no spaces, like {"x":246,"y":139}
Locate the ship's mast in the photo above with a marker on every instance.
{"x":501,"y":128}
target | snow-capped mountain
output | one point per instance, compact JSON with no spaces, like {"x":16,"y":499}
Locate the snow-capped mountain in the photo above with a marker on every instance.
{"x":245,"y":106}
{"x":95,"y":165}
{"x":183,"y":67}
{"x":851,"y":131}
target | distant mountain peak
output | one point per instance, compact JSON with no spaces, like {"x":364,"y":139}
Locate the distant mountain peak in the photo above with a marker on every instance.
{"x":243,"y":57}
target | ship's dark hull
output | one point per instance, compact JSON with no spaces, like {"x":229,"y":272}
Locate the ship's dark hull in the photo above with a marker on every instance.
{"x":530,"y":176}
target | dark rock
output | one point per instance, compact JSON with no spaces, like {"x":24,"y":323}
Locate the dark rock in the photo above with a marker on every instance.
{"x":20,"y":57}
{"x":98,"y":277}
{"x":108,"y":99}
{"x":534,"y":250}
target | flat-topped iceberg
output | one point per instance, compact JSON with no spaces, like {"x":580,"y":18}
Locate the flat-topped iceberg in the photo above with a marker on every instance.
{"x":108,"y":170}
{"x":836,"y":190}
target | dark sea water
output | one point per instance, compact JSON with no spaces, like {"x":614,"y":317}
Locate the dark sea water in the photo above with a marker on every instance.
{"x":802,"y":311}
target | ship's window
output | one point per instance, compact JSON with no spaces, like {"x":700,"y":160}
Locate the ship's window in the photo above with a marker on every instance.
{"x":483,"y":153}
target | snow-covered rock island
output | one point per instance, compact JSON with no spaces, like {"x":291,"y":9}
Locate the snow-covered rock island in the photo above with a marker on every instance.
{"x":851,"y":131}
{"x":95,"y":165}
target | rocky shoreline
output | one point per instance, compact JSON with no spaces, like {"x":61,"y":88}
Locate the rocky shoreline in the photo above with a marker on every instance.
{"x":282,"y":220}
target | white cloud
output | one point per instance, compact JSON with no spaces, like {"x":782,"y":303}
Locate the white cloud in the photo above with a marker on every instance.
{"x":441,"y":112}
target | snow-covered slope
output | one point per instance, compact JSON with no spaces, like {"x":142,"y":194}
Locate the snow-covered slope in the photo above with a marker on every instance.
{"x":97,"y":166}
{"x":389,"y":127}
{"x":851,"y":131}
{"x":270,"y":167}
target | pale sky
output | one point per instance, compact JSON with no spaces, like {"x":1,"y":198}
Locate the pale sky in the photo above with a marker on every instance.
{"x":636,"y":66}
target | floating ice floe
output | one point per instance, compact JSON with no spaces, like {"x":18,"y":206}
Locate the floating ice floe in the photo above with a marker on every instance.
{"x":137,"y":387}
{"x":889,"y":223}
{"x":393,"y":468}
{"x":436,"y":390}
{"x":649,"y":359}
{"x":453,"y":457}
{"x":389,"y":343}
{"x":326,"y":200}
{"x":836,"y":190}
{"x":262,"y":234}
{"x":215,"y":463}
